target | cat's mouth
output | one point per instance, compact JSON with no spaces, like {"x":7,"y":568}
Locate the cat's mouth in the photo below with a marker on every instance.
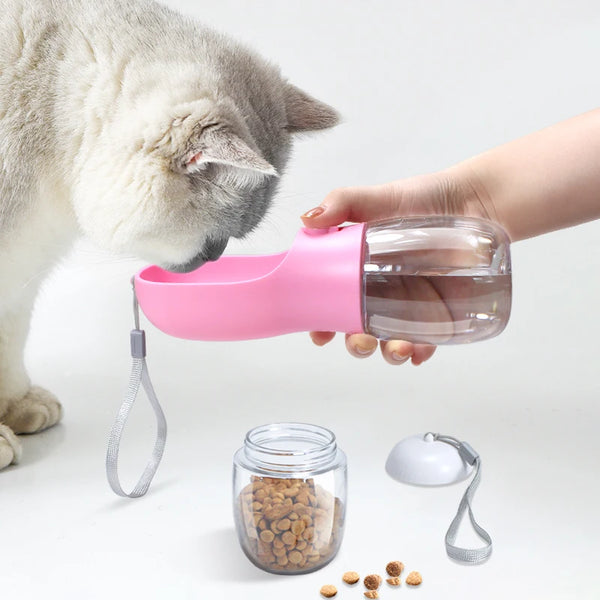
{"x":211,"y":251}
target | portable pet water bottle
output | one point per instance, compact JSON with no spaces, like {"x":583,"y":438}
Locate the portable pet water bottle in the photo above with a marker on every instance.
{"x":435,"y":279}
{"x":430,"y":279}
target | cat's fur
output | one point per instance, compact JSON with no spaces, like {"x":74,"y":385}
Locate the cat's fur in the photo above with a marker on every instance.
{"x":126,"y":122}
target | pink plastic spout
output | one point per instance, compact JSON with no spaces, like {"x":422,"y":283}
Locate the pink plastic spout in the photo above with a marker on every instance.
{"x":315,"y":286}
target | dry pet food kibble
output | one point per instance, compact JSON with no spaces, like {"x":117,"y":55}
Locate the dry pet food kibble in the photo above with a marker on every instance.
{"x":351,"y":577}
{"x":414,"y":578}
{"x":328,"y":591}
{"x":394,"y":568}
{"x":289,"y":524}
{"x":372,"y":582}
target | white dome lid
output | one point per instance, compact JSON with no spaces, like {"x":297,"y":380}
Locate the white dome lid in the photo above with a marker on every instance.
{"x":422,"y":460}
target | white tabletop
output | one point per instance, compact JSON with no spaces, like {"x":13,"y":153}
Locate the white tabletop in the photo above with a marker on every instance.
{"x":420,"y":88}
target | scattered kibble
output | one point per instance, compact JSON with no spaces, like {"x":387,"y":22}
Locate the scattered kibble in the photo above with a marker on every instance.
{"x":328,"y":591}
{"x":351,"y":577}
{"x":372,"y":582}
{"x":394,"y":568}
{"x":414,"y":578}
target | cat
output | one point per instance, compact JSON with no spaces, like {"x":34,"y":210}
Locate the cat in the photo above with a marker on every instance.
{"x":126,"y":122}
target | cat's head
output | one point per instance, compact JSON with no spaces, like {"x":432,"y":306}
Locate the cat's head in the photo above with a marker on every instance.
{"x":182,"y":166}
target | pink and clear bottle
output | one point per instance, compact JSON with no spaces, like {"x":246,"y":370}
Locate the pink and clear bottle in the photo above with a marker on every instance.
{"x":434,"y":279}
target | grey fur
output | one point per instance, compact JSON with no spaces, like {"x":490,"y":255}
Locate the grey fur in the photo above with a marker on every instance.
{"x":127,"y":122}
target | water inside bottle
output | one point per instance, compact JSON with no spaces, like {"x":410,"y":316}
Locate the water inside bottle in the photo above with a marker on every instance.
{"x":437,"y":309}
{"x":437,"y":285}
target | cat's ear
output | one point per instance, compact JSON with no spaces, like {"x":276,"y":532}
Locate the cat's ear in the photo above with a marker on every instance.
{"x":220,"y":146}
{"x":305,"y":113}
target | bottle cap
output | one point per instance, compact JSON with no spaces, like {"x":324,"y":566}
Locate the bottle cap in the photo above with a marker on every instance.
{"x":423,"y":460}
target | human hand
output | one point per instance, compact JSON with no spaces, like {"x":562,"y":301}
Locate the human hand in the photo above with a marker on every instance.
{"x":542,"y":182}
{"x":444,"y":193}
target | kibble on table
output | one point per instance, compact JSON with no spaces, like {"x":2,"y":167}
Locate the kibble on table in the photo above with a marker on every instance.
{"x":372,"y":582}
{"x":414,"y":578}
{"x":351,"y":577}
{"x":328,"y":591}
{"x":394,"y":568}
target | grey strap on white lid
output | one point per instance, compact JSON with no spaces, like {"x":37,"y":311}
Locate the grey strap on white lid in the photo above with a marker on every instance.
{"x":471,"y":556}
{"x":139,"y":374}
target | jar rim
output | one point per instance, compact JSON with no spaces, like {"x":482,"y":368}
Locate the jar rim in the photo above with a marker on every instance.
{"x":320,"y":447}
{"x":327,"y":436}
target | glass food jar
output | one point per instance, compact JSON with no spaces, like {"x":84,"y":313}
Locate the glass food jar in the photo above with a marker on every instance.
{"x":289,"y":497}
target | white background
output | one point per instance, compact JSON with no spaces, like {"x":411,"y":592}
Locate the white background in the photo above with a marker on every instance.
{"x":421,"y":85}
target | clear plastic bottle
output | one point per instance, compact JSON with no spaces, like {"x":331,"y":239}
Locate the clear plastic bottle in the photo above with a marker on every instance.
{"x":436,"y":279}
{"x":289,"y":497}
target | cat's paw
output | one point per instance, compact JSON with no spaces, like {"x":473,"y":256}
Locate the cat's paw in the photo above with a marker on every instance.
{"x":36,"y":411}
{"x":10,"y":447}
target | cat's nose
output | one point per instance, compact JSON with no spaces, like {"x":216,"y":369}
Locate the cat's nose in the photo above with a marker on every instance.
{"x":212,"y":250}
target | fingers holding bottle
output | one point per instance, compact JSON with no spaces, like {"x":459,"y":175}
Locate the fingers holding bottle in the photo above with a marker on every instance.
{"x":454,"y":191}
{"x":353,"y":204}
{"x":397,"y":352}
{"x":320,"y":338}
{"x":359,"y":345}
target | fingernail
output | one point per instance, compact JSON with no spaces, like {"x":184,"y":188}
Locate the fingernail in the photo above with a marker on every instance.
{"x":313,"y":212}
{"x":399,"y":359}
{"x":362,"y":350}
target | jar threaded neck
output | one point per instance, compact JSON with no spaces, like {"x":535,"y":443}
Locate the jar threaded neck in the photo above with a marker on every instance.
{"x":290,"y":447}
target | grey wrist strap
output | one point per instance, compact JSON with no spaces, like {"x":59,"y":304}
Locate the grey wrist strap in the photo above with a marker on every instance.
{"x":466,"y":555}
{"x":139,"y":374}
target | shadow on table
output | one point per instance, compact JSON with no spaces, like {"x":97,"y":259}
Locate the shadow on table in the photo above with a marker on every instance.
{"x":38,"y":446}
{"x":224,"y":559}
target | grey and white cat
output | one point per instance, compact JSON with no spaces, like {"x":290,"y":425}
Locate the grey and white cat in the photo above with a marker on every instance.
{"x":129,"y":123}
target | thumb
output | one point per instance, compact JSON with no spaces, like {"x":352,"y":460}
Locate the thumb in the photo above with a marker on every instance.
{"x":354,"y":204}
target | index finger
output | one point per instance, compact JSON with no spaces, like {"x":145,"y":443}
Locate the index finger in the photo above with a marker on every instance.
{"x":355,"y":204}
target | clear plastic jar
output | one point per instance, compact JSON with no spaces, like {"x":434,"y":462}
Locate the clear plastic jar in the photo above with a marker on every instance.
{"x":289,"y":497}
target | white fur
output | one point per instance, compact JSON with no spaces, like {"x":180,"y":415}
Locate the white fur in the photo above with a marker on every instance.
{"x":103,"y":104}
